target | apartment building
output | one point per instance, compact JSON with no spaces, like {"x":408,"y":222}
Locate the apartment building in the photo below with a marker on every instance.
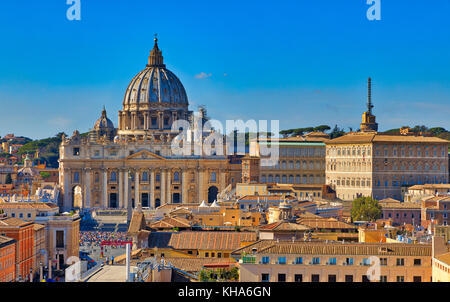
{"x":321,"y":261}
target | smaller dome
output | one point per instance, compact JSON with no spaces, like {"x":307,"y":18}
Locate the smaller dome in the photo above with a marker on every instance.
{"x":104,"y":123}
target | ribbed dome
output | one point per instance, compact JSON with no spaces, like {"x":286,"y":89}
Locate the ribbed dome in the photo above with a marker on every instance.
{"x":104,"y":123}
{"x":155,"y":84}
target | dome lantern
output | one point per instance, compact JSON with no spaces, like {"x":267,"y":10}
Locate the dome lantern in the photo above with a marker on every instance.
{"x":156,"y":59}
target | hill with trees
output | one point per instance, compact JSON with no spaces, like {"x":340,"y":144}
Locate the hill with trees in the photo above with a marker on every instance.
{"x":48,"y":150}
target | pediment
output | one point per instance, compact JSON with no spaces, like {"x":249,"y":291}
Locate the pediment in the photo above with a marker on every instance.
{"x":145,"y":155}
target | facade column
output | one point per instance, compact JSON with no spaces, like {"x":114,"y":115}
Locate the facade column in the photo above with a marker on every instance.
{"x":105,"y":189}
{"x":169,"y":186}
{"x":184,"y":186}
{"x":223,"y":181}
{"x":161,"y":120}
{"x":152,"y":188}
{"x":121,"y":172}
{"x":163,"y":187}
{"x":126,"y":190}
{"x":67,"y":195}
{"x":137,"y":197}
{"x":87,"y":188}
{"x":200,"y":187}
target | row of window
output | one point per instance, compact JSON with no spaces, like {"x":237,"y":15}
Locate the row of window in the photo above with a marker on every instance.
{"x":294,"y":152}
{"x":333,"y":278}
{"x":397,"y":215}
{"x":290,"y":179}
{"x":329,"y":261}
{"x":21,"y":215}
{"x":337,"y":151}
{"x":296,"y":165}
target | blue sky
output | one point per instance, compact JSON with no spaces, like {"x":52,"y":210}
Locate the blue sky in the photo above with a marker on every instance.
{"x":303,"y":62}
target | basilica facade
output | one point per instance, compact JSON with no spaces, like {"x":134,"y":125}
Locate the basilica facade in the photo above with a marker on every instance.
{"x":134,"y":165}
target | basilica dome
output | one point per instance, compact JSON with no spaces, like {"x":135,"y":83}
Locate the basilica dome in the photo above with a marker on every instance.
{"x":104,"y":123}
{"x":154,"y":99}
{"x":155,"y":85}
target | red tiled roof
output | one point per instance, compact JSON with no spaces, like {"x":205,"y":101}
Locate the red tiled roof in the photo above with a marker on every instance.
{"x":188,"y":240}
{"x":323,"y":223}
{"x":28,"y":206}
{"x":328,"y":248}
{"x":285,"y":226}
{"x":170,"y":223}
{"x":11,"y":221}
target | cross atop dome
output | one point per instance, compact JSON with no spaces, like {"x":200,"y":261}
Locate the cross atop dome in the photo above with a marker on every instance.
{"x":156,"y":59}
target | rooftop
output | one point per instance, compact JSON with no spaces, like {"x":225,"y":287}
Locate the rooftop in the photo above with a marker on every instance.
{"x":4,"y":241}
{"x":28,"y":206}
{"x":335,"y":248}
{"x":13,"y":222}
{"x":284,"y":226}
{"x":188,"y":240}
{"x":429,"y":186}
{"x":361,"y":137}
{"x":325,"y":223}
{"x":444,"y":258}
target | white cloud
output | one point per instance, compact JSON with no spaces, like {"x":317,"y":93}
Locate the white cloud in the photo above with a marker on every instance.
{"x":203,"y":75}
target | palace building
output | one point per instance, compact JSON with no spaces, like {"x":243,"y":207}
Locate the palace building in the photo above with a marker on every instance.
{"x":381,"y":165}
{"x":134,"y":163}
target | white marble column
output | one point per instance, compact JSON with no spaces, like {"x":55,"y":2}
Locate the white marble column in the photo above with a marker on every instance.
{"x":137,"y":197}
{"x":87,"y":188}
{"x":184,"y":186}
{"x":105,"y":189}
{"x":125,"y":189}
{"x":152,"y":188}
{"x":121,"y":205}
{"x":163,"y":187}
{"x":200,"y":186}
{"x":169,"y":186}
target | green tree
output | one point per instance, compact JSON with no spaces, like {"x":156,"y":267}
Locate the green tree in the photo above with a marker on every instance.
{"x":365,"y":209}
{"x":322,"y":128}
{"x":337,"y":132}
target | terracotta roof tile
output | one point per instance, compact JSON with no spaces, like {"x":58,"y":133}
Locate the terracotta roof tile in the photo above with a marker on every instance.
{"x":284,"y":226}
{"x":324,"y":223}
{"x":327,"y":248}
{"x":28,"y":206}
{"x":444,"y":258}
{"x":11,"y":221}
{"x":200,"y":240}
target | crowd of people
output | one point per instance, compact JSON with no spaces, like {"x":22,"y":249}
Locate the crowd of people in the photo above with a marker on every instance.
{"x":95,"y":238}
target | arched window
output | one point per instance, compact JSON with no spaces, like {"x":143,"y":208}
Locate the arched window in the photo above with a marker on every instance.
{"x":213,"y":176}
{"x":76,"y":177}
{"x":291,"y":164}
{"x":113,"y":177}
{"x":176,"y":177}
{"x":144,"y":176}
